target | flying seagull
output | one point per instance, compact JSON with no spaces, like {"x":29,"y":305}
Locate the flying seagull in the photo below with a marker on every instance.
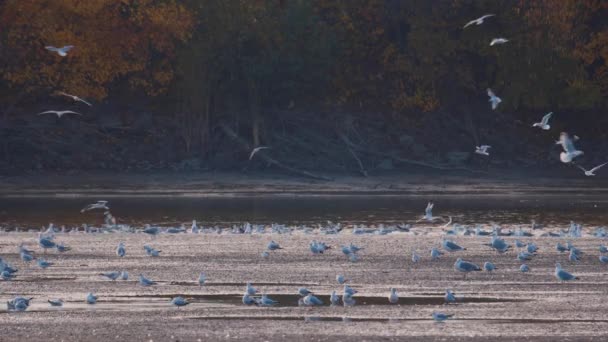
{"x":256,"y":150}
{"x":75,"y":98}
{"x":590,"y":173}
{"x":497,"y":41}
{"x":478,"y":21}
{"x":62,"y":51}
{"x":483,"y":150}
{"x":544,"y":123}
{"x":495,"y":100}
{"x":570,"y":152}
{"x":98,"y":205}
{"x":59,"y":113}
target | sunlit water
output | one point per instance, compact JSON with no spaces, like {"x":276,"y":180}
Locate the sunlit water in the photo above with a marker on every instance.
{"x":549,"y":210}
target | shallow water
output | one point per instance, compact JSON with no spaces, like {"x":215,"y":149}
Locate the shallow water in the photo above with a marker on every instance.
{"x":172,"y":211}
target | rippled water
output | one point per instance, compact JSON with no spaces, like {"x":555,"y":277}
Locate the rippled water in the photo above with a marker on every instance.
{"x":550,"y":209}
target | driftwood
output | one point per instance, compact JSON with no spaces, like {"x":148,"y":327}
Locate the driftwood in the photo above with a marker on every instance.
{"x":353,"y":153}
{"x":247,"y":148}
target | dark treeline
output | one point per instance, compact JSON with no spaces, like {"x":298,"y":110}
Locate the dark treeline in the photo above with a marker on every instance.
{"x":329,"y":85}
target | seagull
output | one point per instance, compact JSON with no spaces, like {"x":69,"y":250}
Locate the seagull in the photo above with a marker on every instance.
{"x":495,"y":100}
{"x":570,"y":152}
{"x":124,"y":275}
{"x":111,"y":275}
{"x":151,"y":230}
{"x":603,"y":259}
{"x":415,"y":257}
{"x":311,"y":300}
{"x":483,"y":150}
{"x":334,"y":299}
{"x":435,"y":253}
{"x":273,"y":246}
{"x":590,"y":173}
{"x":497,"y":41}
{"x":43,"y":263}
{"x":603,"y":249}
{"x":524,"y":268}
{"x":348,"y":300}
{"x":179,"y":301}
{"x":120,"y":250}
{"x":247,"y":300}
{"x":250,"y":290}
{"x":544,"y":122}
{"x":266,"y":301}
{"x":465,"y":266}
{"x":478,"y":21}
{"x":393,"y":297}
{"x":451,"y":246}
{"x":45,"y":242}
{"x":202,"y":279}
{"x":91,"y":298}
{"x":194,"y":228}
{"x":56,"y":302}
{"x":151,"y":251}
{"x":340,"y":279}
{"x":563,"y":275}
{"x":428,"y":213}
{"x":75,"y":98}
{"x":143,"y":281}
{"x":449,"y":222}
{"x":440,"y":316}
{"x":62,"y":51}
{"x":449,"y":296}
{"x":256,"y":150}
{"x":59,"y":113}
{"x":349,"y":290}
{"x":98,"y":205}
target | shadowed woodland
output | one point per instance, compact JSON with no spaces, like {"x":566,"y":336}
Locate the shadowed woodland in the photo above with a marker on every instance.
{"x":331,"y":86}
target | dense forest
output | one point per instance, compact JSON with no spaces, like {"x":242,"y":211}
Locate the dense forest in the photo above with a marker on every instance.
{"x":354,"y":86}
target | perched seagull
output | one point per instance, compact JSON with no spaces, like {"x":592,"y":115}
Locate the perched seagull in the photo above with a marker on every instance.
{"x":449,"y":296}
{"x":250,"y":290}
{"x":143,"y":281}
{"x":256,"y":150}
{"x":603,"y":259}
{"x":62,"y":51}
{"x":202,"y":279}
{"x":544,"y":122}
{"x":483,"y":150}
{"x":440,"y":317}
{"x":59,"y":113}
{"x":179,"y":301}
{"x":465,"y":266}
{"x":151,"y":230}
{"x":570,"y":152}
{"x":310,"y":300}
{"x":56,"y":302}
{"x":563,"y":275}
{"x":124,"y":275}
{"x":273,"y":246}
{"x":349,"y":290}
{"x":334,"y":299}
{"x":340,"y":279}
{"x":266,"y":301}
{"x":435,"y":253}
{"x":451,"y":246}
{"x":348,"y":300}
{"x":111,"y":275}
{"x":478,"y":21}
{"x":75,"y":98}
{"x":43,"y":263}
{"x":120,"y":250}
{"x":590,"y":173}
{"x":98,"y":205}
{"x":415,"y":257}
{"x":497,"y":41}
{"x":393,"y":297}
{"x":494,"y":100}
{"x":247,"y":300}
{"x":524,"y":268}
{"x":91,"y":298}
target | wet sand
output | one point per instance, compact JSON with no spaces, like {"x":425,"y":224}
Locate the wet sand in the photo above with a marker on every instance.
{"x":505,"y":305}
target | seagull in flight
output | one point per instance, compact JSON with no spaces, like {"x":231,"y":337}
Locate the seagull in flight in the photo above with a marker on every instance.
{"x":428,"y":213}
{"x":495,"y":100}
{"x":98,"y":205}
{"x":590,"y":173}
{"x":570,"y":152}
{"x":483,"y":150}
{"x":497,"y":41}
{"x":478,"y":21}
{"x":256,"y":150}
{"x":75,"y":98}
{"x":544,"y":123}
{"x":59,"y":113}
{"x":62,"y":51}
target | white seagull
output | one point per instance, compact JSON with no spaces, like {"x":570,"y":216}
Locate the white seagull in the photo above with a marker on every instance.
{"x":495,"y":100}
{"x":75,"y":98}
{"x":570,"y":152}
{"x":59,"y":113}
{"x":497,"y":41}
{"x":62,"y":51}
{"x":483,"y":150}
{"x":98,"y":205}
{"x":544,"y":123}
{"x":256,"y":150}
{"x":590,"y":173}
{"x":478,"y":21}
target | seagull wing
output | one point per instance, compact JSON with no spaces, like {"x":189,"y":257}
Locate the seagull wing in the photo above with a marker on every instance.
{"x":49,"y":112}
{"x":83,"y":101}
{"x":597,"y":167}
{"x":68,"y":112}
{"x":486,"y":16}
{"x":582,"y":168}
{"x":50,"y":48}
{"x":491,"y":93}
{"x":568,"y":145}
{"x":470,"y":23}
{"x":546,"y":118}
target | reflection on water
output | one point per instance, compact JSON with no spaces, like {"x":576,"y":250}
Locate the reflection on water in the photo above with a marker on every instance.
{"x":33,"y":212}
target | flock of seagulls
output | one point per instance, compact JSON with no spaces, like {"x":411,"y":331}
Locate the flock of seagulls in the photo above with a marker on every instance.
{"x":569,"y":153}
{"x":524,"y":252}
